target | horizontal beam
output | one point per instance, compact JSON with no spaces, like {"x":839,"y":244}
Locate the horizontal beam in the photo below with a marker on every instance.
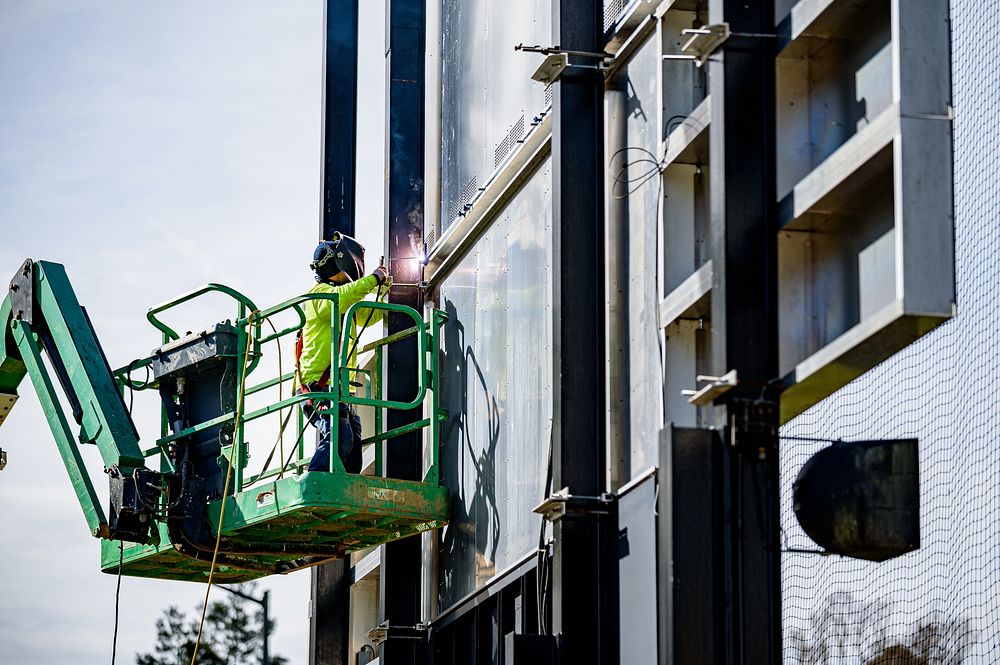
{"x":463,"y":232}
{"x":684,"y":301}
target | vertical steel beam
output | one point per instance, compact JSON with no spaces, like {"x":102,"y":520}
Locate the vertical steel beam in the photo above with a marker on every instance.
{"x":329,"y":628}
{"x":692,"y":617}
{"x":583,"y":595}
{"x":331,"y":588}
{"x":401,"y":574}
{"x":744,"y":319}
{"x":340,"y":100}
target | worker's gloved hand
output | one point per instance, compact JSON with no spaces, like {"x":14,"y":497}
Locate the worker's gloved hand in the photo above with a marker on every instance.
{"x":382,"y":275}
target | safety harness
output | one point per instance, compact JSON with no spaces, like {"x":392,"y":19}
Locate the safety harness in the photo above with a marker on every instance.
{"x":320,"y":385}
{"x":323,"y":383}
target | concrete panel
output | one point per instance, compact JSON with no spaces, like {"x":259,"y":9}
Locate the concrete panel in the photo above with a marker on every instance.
{"x":866,"y":258}
{"x":678,"y":225}
{"x":830,"y":87}
{"x":820,"y":276}
{"x":925,"y":216}
{"x":683,"y":338}
{"x":684,"y":85}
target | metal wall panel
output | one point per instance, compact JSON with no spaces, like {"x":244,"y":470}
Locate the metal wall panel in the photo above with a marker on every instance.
{"x":488,"y":98}
{"x":637,"y":572}
{"x":644,"y":190}
{"x":496,"y":365}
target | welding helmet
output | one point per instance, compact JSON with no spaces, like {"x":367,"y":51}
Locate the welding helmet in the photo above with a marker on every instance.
{"x":341,"y":253}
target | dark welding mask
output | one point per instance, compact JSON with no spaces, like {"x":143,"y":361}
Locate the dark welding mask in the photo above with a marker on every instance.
{"x":342,"y":253}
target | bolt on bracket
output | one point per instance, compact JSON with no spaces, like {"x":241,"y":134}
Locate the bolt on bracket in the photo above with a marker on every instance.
{"x":563,"y":504}
{"x":714,"y":388}
{"x":704,"y":41}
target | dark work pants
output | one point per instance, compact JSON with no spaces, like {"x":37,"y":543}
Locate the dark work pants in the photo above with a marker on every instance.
{"x":350,"y":437}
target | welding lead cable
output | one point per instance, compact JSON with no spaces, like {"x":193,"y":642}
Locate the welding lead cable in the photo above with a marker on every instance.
{"x":118,"y":590}
{"x":225,"y":488}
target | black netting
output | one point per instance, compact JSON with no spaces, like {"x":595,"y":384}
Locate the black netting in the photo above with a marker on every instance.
{"x":940,"y":604}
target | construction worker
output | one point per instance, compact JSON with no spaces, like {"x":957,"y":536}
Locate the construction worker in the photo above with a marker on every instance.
{"x":338,"y":265}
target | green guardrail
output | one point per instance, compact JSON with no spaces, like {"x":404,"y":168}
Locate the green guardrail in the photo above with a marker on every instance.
{"x":251,"y":341}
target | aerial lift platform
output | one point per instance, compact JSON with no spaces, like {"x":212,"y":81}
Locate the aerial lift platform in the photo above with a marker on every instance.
{"x":188,"y":500}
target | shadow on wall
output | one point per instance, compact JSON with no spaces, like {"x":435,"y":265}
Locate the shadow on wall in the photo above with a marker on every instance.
{"x":469,"y":546}
{"x":845,"y":629}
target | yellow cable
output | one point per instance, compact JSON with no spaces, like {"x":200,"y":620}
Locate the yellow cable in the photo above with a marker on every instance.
{"x":225,"y":488}
{"x":281,"y":384}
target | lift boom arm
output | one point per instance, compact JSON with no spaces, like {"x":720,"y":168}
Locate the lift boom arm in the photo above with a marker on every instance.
{"x":175,"y":517}
{"x":41,"y":312}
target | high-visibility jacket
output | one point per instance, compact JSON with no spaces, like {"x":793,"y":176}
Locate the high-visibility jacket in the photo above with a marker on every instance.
{"x":315,"y":358}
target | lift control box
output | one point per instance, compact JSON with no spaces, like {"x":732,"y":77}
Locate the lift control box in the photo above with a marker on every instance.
{"x":133,"y":499}
{"x":197,"y":380}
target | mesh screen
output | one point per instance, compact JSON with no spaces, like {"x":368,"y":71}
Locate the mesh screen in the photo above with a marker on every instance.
{"x":940,"y":604}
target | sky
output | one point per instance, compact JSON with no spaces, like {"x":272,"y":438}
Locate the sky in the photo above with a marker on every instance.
{"x":152,"y":147}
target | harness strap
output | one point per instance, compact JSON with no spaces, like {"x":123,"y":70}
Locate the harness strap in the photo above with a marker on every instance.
{"x":313,"y":386}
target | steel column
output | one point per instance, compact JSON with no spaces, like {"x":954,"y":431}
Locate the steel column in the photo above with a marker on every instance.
{"x":331,"y":599}
{"x":583,"y":591}
{"x":744,"y":320}
{"x":340,"y":100}
{"x":401,"y":571}
{"x":329,"y":629}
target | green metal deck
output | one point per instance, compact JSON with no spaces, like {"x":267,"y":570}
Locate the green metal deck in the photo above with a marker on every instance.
{"x":354,"y":511}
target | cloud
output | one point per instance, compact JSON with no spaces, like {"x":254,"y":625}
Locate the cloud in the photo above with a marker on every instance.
{"x":150,"y":147}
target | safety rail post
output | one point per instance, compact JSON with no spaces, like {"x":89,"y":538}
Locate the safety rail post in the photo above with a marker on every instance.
{"x":237,"y":453}
{"x":250,"y":339}
{"x":164,"y":419}
{"x":418,"y":330}
{"x":169,"y":332}
{"x":377,"y":381}
{"x":438,"y":319}
{"x":336,"y":465}
{"x":300,"y":441}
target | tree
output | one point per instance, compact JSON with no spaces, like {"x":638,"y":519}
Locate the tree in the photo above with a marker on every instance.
{"x":232,"y":635}
{"x":847,"y":629}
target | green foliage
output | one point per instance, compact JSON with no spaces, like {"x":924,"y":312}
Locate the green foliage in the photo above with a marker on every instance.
{"x":233,"y":634}
{"x":847,"y":629}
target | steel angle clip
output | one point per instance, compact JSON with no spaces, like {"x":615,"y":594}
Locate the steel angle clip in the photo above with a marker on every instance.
{"x":557,"y":61}
{"x":714,"y":387}
{"x":563,"y":504}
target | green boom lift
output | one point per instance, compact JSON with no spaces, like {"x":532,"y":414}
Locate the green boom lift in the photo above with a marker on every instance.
{"x":166,"y":501}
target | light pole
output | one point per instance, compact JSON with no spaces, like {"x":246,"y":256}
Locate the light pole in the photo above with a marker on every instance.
{"x":264,"y":603}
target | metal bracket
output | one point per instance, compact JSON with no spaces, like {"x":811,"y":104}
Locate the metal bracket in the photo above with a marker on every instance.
{"x":384,"y":632}
{"x":704,"y":41}
{"x":551,"y":68}
{"x":557,"y":61}
{"x":563,"y":504}
{"x":717,"y":386}
{"x":753,"y":424}
{"x":22,"y":293}
{"x":7,"y":401}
